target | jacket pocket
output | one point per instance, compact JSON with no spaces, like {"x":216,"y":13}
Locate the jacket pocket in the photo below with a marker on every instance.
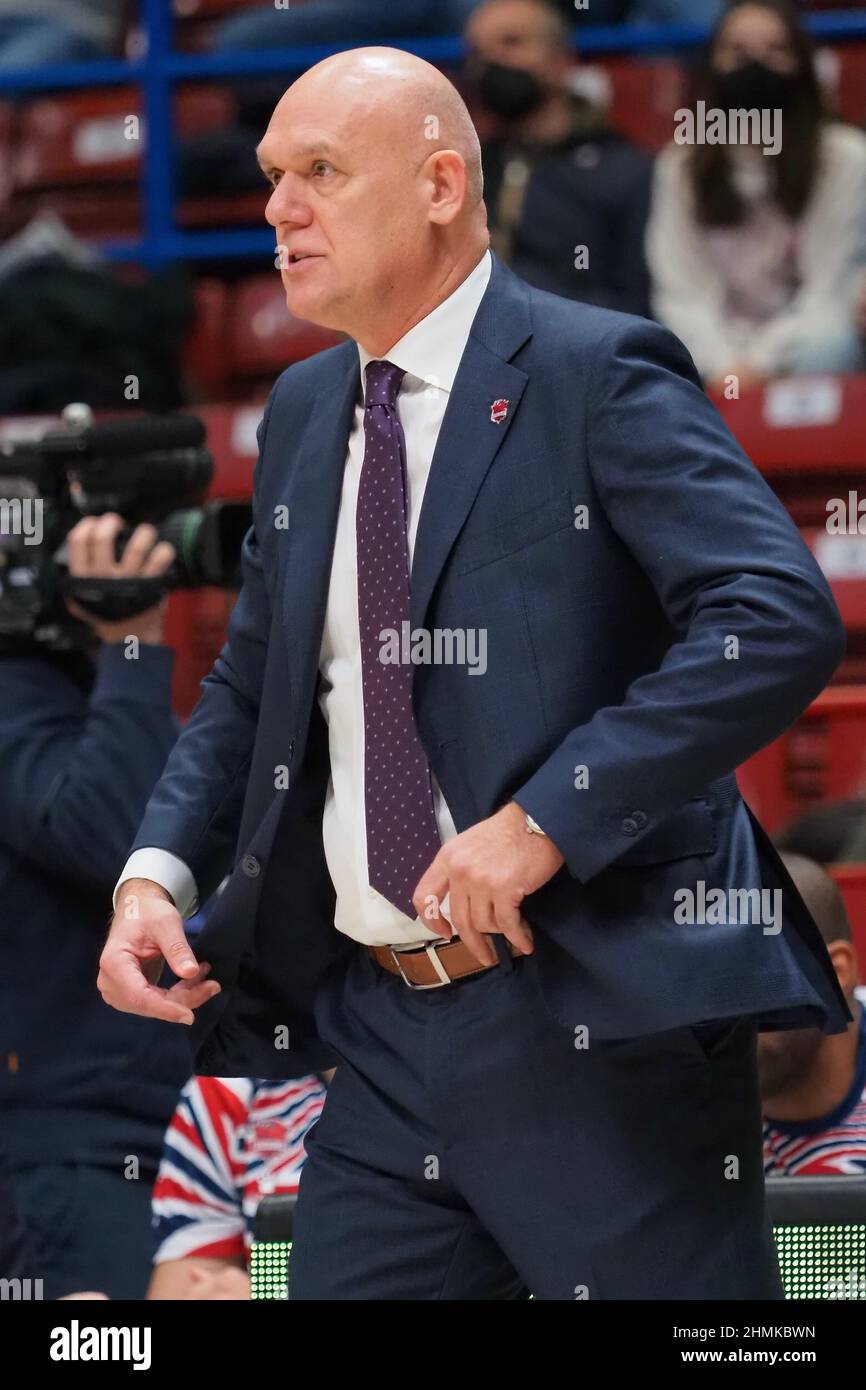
{"x":507,"y":537}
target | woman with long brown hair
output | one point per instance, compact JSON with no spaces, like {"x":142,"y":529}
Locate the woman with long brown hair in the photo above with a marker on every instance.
{"x":757,"y":232}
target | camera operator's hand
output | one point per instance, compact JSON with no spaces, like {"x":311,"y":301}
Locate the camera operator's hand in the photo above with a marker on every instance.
{"x":147,"y":934}
{"x":92,"y":545}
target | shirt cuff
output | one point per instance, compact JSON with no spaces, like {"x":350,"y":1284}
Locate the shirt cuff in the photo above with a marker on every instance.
{"x":168,"y":871}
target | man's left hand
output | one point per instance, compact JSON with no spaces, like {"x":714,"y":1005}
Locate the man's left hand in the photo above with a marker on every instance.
{"x":487,"y":872}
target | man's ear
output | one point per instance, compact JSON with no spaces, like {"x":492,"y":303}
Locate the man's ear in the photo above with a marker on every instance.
{"x":844,"y":959}
{"x":446,"y":170}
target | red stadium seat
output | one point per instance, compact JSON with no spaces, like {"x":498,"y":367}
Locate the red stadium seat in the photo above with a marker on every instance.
{"x":821,"y":758}
{"x":646,"y":93}
{"x":806,"y":436}
{"x":80,"y":138}
{"x":204,"y":353}
{"x":197,"y":618}
{"x":852,"y":82}
{"x":231,"y":439}
{"x":263,"y":337}
{"x":195,"y":627}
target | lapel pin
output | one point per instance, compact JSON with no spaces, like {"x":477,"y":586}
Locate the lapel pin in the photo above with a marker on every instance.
{"x":498,"y":411}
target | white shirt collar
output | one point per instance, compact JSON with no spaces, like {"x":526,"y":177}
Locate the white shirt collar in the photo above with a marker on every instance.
{"x":431,"y":351}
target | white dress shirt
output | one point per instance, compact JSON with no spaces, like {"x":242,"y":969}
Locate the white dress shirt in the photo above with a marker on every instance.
{"x":429,"y":354}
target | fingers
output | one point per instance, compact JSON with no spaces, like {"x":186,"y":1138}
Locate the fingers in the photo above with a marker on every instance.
{"x":159,"y":560}
{"x":514,"y":926}
{"x":191,"y":994}
{"x":123,"y":986}
{"x":430,"y":892}
{"x":461,"y":916}
{"x":78,"y":545}
{"x":137,"y":549}
{"x":475,"y":913}
{"x":145,"y":554}
{"x":176,"y":950}
{"x":130,"y":964}
{"x":92,"y":549}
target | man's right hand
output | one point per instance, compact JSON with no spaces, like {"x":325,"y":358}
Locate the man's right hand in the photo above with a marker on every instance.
{"x":146,"y":935}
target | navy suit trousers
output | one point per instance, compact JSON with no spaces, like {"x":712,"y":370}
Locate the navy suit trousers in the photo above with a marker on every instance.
{"x":472,"y":1148}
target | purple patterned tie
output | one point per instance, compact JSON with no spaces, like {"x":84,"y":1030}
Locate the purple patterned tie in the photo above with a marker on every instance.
{"x":402,"y":833}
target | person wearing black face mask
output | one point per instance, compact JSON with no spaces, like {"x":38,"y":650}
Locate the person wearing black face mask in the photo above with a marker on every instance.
{"x":567,"y":197}
{"x":510,"y":93}
{"x":756,"y":246}
{"x":754,"y":84}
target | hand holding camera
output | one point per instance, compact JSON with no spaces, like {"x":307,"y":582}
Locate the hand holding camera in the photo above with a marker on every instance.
{"x":92,"y":553}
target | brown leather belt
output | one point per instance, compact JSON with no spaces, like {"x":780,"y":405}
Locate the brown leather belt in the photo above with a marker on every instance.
{"x":431,"y":966}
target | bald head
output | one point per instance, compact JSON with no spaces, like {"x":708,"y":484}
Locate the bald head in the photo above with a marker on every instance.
{"x":376,"y":169}
{"x":407,"y":100}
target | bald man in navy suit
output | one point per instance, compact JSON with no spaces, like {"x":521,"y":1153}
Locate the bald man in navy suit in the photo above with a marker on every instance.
{"x":515,"y":607}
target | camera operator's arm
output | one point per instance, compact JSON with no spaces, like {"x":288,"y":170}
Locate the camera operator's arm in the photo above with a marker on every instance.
{"x":78,"y":768}
{"x":192,"y":819}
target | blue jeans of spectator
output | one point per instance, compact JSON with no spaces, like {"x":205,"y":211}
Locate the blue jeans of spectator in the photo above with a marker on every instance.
{"x":333,"y":21}
{"x":33,"y":43}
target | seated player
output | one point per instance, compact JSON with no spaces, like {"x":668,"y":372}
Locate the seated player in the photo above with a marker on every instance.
{"x":230,"y":1142}
{"x":814,"y":1087}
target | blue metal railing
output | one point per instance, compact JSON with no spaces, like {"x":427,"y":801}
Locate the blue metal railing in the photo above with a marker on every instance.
{"x":161,"y":67}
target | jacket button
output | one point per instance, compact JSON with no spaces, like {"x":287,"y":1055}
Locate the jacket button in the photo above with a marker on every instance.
{"x":251,"y":866}
{"x":639,"y":818}
{"x":629,"y":826}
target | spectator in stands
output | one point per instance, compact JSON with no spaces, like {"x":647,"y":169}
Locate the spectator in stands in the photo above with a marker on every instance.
{"x":814,"y":1087}
{"x":340,"y":22}
{"x":674,"y":11}
{"x":230,"y":1143}
{"x":34,"y":33}
{"x":756,"y":258}
{"x":831,"y":834}
{"x":567,"y":197}
{"x":86,"y":1092}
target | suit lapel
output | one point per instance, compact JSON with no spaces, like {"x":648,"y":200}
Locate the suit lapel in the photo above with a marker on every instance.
{"x":467,"y":445}
{"x":469,"y":438}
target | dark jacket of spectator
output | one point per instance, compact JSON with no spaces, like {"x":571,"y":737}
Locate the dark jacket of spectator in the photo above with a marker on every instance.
{"x":590,"y":189}
{"x":79,"y":1082}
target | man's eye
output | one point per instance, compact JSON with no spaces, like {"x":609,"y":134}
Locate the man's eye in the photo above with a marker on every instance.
{"x":321,"y":164}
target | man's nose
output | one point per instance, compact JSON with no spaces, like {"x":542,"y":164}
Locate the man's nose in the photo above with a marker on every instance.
{"x":286,"y":206}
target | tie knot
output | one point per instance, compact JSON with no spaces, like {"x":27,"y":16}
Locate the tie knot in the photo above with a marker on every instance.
{"x":383,"y":383}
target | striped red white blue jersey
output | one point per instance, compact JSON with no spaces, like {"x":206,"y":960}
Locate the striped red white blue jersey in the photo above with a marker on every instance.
{"x":230,"y":1142}
{"x":834,"y":1144}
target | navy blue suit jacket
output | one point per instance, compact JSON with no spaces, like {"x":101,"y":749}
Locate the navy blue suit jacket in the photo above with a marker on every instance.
{"x":605,"y":650}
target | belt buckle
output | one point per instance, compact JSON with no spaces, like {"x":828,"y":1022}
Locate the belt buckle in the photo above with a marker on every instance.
{"x":430,"y":949}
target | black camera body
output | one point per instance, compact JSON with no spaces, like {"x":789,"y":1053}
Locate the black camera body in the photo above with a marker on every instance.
{"x":153,"y":468}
